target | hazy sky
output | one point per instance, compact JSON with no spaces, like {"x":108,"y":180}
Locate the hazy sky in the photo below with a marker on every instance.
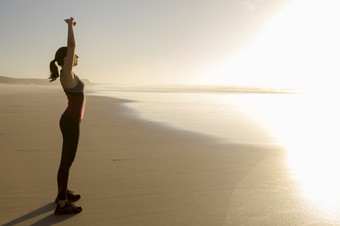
{"x":138,"y":42}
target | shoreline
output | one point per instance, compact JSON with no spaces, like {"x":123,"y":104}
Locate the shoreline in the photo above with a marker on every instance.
{"x":199,"y":113}
{"x":134,"y":172}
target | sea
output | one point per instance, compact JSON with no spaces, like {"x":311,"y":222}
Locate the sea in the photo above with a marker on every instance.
{"x":230,"y":116}
{"x":306,"y":124}
{"x":290,"y":118}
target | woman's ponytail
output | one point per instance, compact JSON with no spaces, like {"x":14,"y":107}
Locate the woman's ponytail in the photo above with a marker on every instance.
{"x":59,"y":58}
{"x":54,"y":71}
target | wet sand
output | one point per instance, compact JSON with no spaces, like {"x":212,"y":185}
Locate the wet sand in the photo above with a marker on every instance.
{"x":134,"y":172}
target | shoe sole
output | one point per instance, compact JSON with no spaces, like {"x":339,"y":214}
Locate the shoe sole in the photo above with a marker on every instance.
{"x":56,"y":200}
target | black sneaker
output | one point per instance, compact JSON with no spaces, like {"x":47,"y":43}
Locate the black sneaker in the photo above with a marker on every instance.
{"x":70,"y":196}
{"x":69,"y":208}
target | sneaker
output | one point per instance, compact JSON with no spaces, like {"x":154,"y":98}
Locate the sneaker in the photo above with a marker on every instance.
{"x":70,"y":196}
{"x":69,"y":208}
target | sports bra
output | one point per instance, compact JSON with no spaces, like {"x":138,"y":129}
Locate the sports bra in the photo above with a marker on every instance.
{"x":78,"y":88}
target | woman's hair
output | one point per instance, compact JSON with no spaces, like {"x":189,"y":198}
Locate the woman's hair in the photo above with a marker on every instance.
{"x":59,"y":58}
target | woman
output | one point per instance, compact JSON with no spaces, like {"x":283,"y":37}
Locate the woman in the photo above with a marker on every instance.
{"x":70,"y":119}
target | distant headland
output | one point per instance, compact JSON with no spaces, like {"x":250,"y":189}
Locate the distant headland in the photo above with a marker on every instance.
{"x":30,"y":81}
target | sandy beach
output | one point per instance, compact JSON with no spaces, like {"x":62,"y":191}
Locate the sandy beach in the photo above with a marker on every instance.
{"x":135,"y":172}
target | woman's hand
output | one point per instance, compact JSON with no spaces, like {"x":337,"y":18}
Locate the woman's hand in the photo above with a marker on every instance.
{"x":70,"y":21}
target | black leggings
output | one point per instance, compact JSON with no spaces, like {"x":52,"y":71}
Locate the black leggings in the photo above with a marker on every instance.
{"x":70,"y":129}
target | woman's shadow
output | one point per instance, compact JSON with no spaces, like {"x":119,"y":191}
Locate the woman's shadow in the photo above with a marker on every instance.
{"x":48,"y":220}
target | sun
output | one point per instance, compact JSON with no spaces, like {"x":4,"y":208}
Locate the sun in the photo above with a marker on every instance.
{"x":297,"y":48}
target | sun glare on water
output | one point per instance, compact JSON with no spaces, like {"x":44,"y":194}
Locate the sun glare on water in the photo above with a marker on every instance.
{"x":308,"y":128}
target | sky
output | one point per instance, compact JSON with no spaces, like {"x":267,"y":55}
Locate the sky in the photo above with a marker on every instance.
{"x":265,"y":43}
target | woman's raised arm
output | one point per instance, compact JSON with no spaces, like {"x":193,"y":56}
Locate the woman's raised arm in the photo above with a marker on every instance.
{"x":71,"y":47}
